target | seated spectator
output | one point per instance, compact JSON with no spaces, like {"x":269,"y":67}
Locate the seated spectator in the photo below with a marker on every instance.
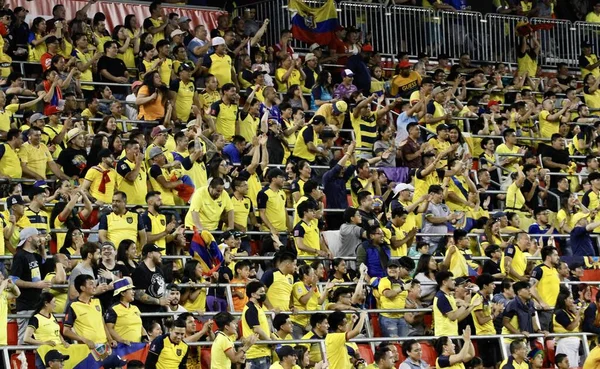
{"x":123,"y":319}
{"x":411,"y":349}
{"x":518,"y":356}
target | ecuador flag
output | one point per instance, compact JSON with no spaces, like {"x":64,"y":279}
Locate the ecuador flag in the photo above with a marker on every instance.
{"x":313,"y":24}
{"x":80,"y":356}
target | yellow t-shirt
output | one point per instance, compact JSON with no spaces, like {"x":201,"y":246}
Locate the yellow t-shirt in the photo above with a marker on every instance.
{"x":45,"y":328}
{"x":519,"y":261}
{"x":255,"y":351}
{"x":299,"y":289}
{"x":36,"y":158}
{"x":593,"y":359}
{"x":547,"y":128}
{"x":295,"y":78}
{"x":279,"y":290}
{"x":10,"y":163}
{"x":4,"y":318}
{"x":486,"y":328}
{"x":127,"y":321}
{"x":514,"y":197}
{"x":220,"y":67}
{"x":209,"y":209}
{"x":443,"y":325}
{"x":95,"y":175}
{"x":503,"y":149}
{"x":337,"y":354}
{"x":218,"y":356}
{"x":396,"y":302}
{"x":136,"y":191}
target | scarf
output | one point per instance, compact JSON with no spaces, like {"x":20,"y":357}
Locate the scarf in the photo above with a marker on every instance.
{"x":105,"y":179}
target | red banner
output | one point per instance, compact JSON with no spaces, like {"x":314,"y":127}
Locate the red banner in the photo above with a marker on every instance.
{"x":116,"y":12}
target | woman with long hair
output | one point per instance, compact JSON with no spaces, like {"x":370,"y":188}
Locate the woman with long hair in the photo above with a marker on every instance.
{"x":514,"y":223}
{"x":147,"y":62}
{"x":425,"y":273}
{"x":66,"y":71}
{"x":193,"y":298}
{"x":295,"y":98}
{"x":487,"y":159}
{"x":571,"y":211}
{"x":125,"y":45}
{"x":152,"y":97}
{"x":115,"y":144}
{"x":127,"y":255}
{"x":98,"y":143}
{"x":37,"y":39}
{"x":303,"y":172}
{"x":377,"y":80}
{"x":74,"y":239}
{"x":43,"y":328}
{"x":219,"y":168}
{"x":109,"y":125}
{"x":322,"y":91}
{"x":51,"y":86}
{"x":567,"y":319}
{"x":385,"y":142}
{"x":455,"y":137}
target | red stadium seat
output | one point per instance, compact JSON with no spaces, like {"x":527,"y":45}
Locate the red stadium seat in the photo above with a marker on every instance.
{"x":15,"y":363}
{"x":366,"y":353}
{"x":375,"y":325}
{"x":13,"y":334}
{"x":550,"y":353}
{"x":429,"y":355}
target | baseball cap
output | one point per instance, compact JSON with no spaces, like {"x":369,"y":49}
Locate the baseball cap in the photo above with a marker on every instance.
{"x":154,"y":152}
{"x":347,"y":73}
{"x":257,"y":73}
{"x":438,"y":90}
{"x":14,"y":200}
{"x":185,"y":66}
{"x":535,"y":352}
{"x":403,"y":187}
{"x":428,"y":80}
{"x":136,"y":84}
{"x":367,"y":48}
{"x":177,"y":32}
{"x":158,"y":130}
{"x":498,"y":215}
{"x":404,"y":64}
{"x":492,"y":103}
{"x":340,"y":107}
{"x":104,"y":153}
{"x":25,"y":234}
{"x":218,"y":41}
{"x":309,"y":57}
{"x":585,"y":43}
{"x":74,"y":133}
{"x":314,"y":47}
{"x":41,"y":183}
{"x":36,"y":191}
{"x":52,"y":110}
{"x":284,"y":351}
{"x":442,"y":127}
{"x":184,"y":19}
{"x":122,"y":285}
{"x":461,"y":280}
{"x":393,"y":263}
{"x":151,"y":247}
{"x":37,"y":116}
{"x":54,"y":355}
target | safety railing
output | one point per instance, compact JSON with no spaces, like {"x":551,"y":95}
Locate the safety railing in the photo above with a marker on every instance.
{"x":558,"y":43}
{"x":502,"y":37}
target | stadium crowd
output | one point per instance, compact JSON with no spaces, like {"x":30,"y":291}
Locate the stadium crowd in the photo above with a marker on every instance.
{"x":472,"y":189}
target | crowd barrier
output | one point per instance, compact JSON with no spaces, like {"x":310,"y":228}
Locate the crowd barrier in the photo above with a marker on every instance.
{"x":396,"y":28}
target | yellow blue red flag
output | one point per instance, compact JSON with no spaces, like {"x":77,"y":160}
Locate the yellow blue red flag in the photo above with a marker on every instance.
{"x":313,"y":24}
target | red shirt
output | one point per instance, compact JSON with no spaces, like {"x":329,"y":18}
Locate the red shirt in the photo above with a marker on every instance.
{"x":46,"y":61}
{"x":289,"y":49}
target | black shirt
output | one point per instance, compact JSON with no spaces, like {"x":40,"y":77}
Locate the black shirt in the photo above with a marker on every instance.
{"x":72,"y":161}
{"x":116,"y":67}
{"x":27,"y":266}
{"x":534,"y":202}
{"x":368,"y":220}
{"x":152,"y":282}
{"x":559,"y":157}
{"x":554,"y":202}
{"x":493,"y":197}
{"x":491,"y":267}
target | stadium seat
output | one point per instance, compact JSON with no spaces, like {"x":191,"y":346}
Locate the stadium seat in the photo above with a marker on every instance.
{"x":429,"y":355}
{"x":13,"y":333}
{"x":333,"y":241}
{"x":15,"y":363}
{"x":375,"y":325}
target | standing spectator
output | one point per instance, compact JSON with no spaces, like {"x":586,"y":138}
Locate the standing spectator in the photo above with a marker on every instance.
{"x":10,"y":166}
{"x":519,"y":313}
{"x":100,"y":180}
{"x":158,"y":230}
{"x":334,"y":185}
{"x":448,"y":312}
{"x":109,"y":272}
{"x":208,"y":205}
{"x":159,"y":176}
{"x":341,"y":332}
{"x":156,"y":23}
{"x":588,"y":61}
{"x":580,"y":242}
{"x":483,"y":317}
{"x":90,"y":259}
{"x":165,"y":67}
{"x":545,"y":285}
{"x":113,"y":69}
{"x":278,"y":283}
{"x":351,"y":233}
{"x":225,"y":111}
{"x":567,"y":319}
{"x":121,"y":224}
{"x":223,"y":352}
{"x":306,"y":297}
{"x":219,"y":64}
{"x":271,"y":207}
{"x":255,"y":323}
{"x":27,"y":274}
{"x":169,"y":350}
{"x":123,"y":319}
{"x":358,"y":64}
{"x":514,"y":263}
{"x":393,"y":294}
{"x":36,"y":158}
{"x":199,"y":45}
{"x":86,"y":59}
{"x":527,"y":55}
{"x":36,"y":212}
{"x":436,"y":217}
{"x":131,"y":174}
{"x":374,"y":253}
{"x":73,"y":159}
{"x":446,"y":349}
{"x":149,"y":281}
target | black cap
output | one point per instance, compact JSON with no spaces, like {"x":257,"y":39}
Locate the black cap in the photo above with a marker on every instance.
{"x":461,"y":280}
{"x":585,"y":43}
{"x":185,"y":66}
{"x":318,"y":119}
{"x":441,"y":127}
{"x":104,"y":153}
{"x":51,"y":40}
{"x":284,"y":351}
{"x":36,"y":191}
{"x":173,"y":286}
{"x":151,"y":247}
{"x":14,"y":200}
{"x":54,"y":355}
{"x":327,"y":134}
{"x":257,"y":73}
{"x":393,"y":263}
{"x":427,"y":80}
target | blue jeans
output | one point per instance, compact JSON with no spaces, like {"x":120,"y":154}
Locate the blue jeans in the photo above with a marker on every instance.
{"x":259,"y":363}
{"x":393,"y":327}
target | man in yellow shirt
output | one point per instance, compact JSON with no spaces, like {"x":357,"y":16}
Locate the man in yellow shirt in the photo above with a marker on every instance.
{"x":483,"y":317}
{"x":36,"y":158}
{"x":219,"y":63}
{"x":254,"y":322}
{"x":225,"y":111}
{"x":158,"y":230}
{"x":342,"y":332}
{"x":518,"y":356}
{"x":208,"y":205}
{"x":509,"y":147}
{"x":222,"y":351}
{"x":160,"y":177}
{"x":550,"y":122}
{"x":545,"y":285}
{"x":278,"y":283}
{"x":446,"y":311}
{"x":100,"y":180}
{"x":514,"y":261}
{"x":131,"y":174}
{"x":588,"y":62}
{"x":121,"y":224}
{"x":393,"y":296}
{"x":271,"y":202}
{"x":10,"y":166}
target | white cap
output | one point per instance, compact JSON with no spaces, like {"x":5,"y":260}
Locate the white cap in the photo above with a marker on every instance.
{"x":218,"y":41}
{"x":402,"y":187}
{"x":309,"y":57}
{"x":177,"y":32}
{"x":314,"y":46}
